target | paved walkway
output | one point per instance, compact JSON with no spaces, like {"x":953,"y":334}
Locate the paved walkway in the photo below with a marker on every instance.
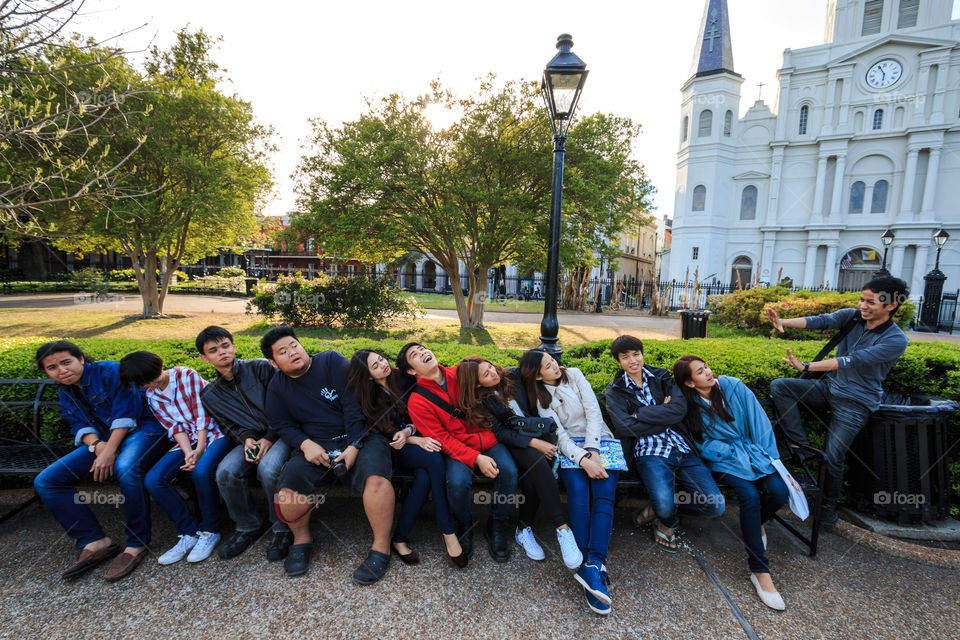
{"x":847,"y":591}
{"x":622,"y":320}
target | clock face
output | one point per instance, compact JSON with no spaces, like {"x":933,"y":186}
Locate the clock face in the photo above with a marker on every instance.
{"x":884,"y":74}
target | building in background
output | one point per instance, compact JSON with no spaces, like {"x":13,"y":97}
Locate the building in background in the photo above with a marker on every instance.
{"x":865,"y":137}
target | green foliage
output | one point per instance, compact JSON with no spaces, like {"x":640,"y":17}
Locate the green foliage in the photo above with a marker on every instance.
{"x":744,"y":309}
{"x":128,"y":275}
{"x":232,"y":272}
{"x":326,"y":301}
{"x":476,"y":193}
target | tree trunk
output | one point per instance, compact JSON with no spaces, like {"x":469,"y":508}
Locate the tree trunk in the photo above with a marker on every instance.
{"x":469,"y":306}
{"x":145,"y":267}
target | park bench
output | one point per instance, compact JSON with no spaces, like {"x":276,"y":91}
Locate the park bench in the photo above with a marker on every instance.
{"x":32,"y":455}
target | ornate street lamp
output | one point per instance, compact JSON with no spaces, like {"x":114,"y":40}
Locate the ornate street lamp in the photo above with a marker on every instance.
{"x":887,"y":240}
{"x":562,"y":83}
{"x":933,"y":290}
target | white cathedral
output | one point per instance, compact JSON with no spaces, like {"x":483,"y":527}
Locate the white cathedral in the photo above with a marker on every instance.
{"x":865,"y":138}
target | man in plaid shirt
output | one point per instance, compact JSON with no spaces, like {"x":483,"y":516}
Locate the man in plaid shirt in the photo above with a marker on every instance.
{"x":645,"y":404}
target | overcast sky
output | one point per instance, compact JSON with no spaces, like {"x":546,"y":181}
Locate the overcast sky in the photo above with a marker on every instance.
{"x":299,"y":60}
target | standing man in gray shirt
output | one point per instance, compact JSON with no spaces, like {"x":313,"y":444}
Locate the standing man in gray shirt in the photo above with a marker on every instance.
{"x":852,"y":385}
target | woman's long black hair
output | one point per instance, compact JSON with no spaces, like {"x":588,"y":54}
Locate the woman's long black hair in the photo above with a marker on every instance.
{"x":380,"y":409}
{"x":682,"y":373}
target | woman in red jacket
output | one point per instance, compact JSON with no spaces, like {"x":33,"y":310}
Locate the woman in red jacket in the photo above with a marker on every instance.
{"x":434,"y":409}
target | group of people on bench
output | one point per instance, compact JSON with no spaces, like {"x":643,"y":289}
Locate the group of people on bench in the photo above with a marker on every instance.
{"x":298,"y":421}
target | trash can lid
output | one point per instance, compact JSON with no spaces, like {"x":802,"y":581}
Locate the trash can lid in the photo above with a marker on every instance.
{"x":901,"y":403}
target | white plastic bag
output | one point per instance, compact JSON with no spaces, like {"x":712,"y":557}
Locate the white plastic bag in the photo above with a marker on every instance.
{"x":798,"y":501}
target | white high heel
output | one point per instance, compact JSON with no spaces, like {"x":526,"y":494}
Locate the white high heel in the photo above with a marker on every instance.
{"x":772,"y":600}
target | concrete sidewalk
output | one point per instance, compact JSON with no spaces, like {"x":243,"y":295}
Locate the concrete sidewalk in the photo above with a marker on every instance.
{"x":847,"y":591}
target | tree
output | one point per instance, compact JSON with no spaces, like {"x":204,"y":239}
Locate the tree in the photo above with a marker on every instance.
{"x":200,"y":166}
{"x":476,"y":193}
{"x":58,"y":95}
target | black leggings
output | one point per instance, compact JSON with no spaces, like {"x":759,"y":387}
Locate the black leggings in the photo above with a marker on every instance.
{"x":539,"y":487}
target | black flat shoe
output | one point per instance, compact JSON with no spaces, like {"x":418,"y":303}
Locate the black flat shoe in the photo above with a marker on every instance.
{"x":279,"y":546}
{"x":410,"y":558}
{"x":298,"y":559}
{"x":238,"y":543}
{"x":372,"y":569}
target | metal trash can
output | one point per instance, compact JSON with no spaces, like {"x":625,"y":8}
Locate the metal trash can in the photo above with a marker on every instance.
{"x":899,"y":466}
{"x":250,"y":284}
{"x":693,"y":323}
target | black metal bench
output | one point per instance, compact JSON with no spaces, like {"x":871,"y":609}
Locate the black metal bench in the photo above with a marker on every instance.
{"x":33,"y":455}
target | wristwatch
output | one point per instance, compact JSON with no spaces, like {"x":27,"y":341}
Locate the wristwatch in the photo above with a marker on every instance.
{"x":806,"y":366}
{"x":92,"y":448}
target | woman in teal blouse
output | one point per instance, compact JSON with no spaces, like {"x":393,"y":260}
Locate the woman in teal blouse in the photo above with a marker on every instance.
{"x":735,"y":439}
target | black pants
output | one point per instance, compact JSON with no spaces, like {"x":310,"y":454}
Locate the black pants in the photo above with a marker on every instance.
{"x":539,"y":488}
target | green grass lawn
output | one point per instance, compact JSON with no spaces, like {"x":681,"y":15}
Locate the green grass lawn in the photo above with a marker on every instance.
{"x":438,"y":301}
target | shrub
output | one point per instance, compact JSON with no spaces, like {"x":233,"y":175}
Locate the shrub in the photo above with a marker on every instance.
{"x":128,"y":275}
{"x":326,"y":301}
{"x":232,"y":272}
{"x":744,"y":309}
{"x":235,"y":284}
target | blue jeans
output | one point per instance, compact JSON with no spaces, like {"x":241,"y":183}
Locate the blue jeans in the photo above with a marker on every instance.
{"x":759,"y":500}
{"x":159,"y":484}
{"x":429,"y":474}
{"x":846,"y":419}
{"x":660,"y":475}
{"x":233,"y":477}
{"x":56,"y":487}
{"x":460,"y":478}
{"x":590,"y":509}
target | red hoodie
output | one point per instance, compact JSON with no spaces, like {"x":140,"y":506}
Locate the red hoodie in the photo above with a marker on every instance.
{"x":460,"y":440}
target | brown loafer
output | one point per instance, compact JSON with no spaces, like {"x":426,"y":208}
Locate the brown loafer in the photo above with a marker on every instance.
{"x":89,"y":559}
{"x":123,"y":565}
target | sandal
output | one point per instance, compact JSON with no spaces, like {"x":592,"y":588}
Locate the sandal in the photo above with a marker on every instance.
{"x":372,"y":568}
{"x":643,"y":516}
{"x":664,"y":540}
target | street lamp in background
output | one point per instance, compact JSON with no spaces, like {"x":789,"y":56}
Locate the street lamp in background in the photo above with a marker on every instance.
{"x":887,"y":240}
{"x":933,"y":290}
{"x":562,"y":83}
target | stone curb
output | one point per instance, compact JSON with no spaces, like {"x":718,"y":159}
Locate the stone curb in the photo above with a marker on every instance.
{"x":945,"y":558}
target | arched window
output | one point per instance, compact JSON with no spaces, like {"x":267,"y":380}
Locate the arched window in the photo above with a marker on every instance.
{"x":699,"y":197}
{"x":872,"y":17}
{"x":878,"y":119}
{"x":686,"y":128}
{"x":742,"y":272}
{"x":804,"y":116}
{"x":856,"y":197}
{"x":748,"y":203}
{"x":727,"y":124}
{"x":898,"y":118}
{"x":706,"y":124}
{"x":879,"y":204}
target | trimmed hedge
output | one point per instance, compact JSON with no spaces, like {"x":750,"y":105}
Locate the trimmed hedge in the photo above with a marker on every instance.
{"x":744,"y":309}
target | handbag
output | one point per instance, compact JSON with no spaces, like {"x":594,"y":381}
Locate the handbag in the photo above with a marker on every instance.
{"x":798,"y":501}
{"x":529,"y":426}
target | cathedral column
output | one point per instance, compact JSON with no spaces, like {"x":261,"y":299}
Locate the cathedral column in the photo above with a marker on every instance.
{"x":810,"y":266}
{"x":830,"y":273}
{"x":817,"y":213}
{"x":930,"y":189}
{"x":919,"y":270}
{"x":896,"y":263}
{"x":766,"y":257}
{"x":835,"y":202}
{"x":909,"y":184}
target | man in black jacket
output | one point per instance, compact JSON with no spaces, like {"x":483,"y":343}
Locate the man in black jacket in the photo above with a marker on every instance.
{"x":236,"y":399}
{"x":647,"y":409}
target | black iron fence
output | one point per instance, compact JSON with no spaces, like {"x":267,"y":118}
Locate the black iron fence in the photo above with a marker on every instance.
{"x":948,"y":317}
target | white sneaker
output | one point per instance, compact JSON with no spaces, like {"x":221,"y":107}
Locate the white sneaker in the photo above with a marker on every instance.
{"x":572,"y":557}
{"x":205,"y":545}
{"x":182,"y":548}
{"x":529,"y":543}
{"x":773,"y":600}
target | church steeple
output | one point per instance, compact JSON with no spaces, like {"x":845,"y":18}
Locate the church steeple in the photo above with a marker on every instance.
{"x":714,"y":50}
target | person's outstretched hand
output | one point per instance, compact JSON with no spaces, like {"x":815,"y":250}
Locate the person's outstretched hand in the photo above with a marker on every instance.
{"x":774,"y":318}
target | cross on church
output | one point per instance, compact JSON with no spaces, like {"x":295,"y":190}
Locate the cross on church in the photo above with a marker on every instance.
{"x":760,"y":92}
{"x":712,"y":35}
